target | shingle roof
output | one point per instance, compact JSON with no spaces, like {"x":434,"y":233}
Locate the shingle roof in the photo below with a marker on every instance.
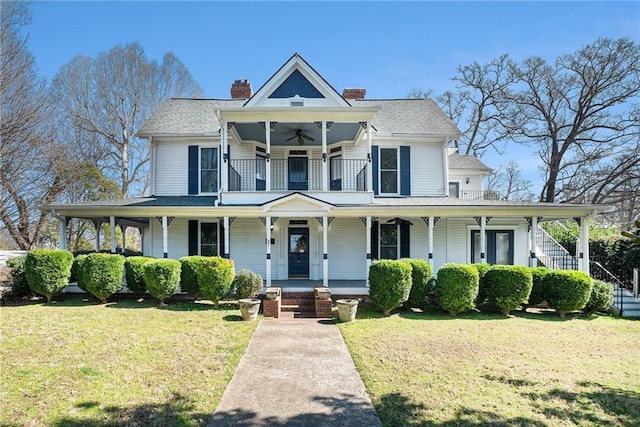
{"x":459,"y":161}
{"x":197,"y":117}
{"x":186,"y":116}
{"x":159,"y":201}
{"x":420,"y":116}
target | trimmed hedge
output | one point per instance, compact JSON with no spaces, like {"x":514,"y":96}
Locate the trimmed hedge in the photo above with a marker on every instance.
{"x":390,"y":283}
{"x":508,"y":286}
{"x":247,"y":284}
{"x":567,"y":290}
{"x":215,"y":277}
{"x":457,"y":287}
{"x":188,"y":275}
{"x":162,"y":277}
{"x":537,"y":294}
{"x":601,"y":297}
{"x":134,"y":272}
{"x":103,"y":274}
{"x":79,"y":263}
{"x":421,"y":275}
{"x":48,"y":271}
{"x":19,"y":284}
{"x":482,"y":284}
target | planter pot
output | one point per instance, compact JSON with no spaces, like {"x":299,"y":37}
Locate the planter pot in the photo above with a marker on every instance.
{"x":272,"y":293}
{"x":249,"y":308}
{"x":347,"y":309}
{"x":323,"y":293}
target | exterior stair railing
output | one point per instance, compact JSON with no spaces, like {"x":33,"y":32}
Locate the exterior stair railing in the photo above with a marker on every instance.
{"x":552,"y":254}
{"x":598,"y":272}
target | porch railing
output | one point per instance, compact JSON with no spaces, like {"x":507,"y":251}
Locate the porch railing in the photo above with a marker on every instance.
{"x":298,"y":174}
{"x":476,"y":195}
{"x":598,"y":272}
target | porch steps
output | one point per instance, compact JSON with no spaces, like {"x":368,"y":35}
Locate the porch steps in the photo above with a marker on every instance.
{"x":298,"y":302}
{"x":630,"y":304}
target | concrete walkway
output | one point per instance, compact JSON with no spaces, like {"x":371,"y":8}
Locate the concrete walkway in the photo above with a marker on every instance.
{"x":296,"y":373}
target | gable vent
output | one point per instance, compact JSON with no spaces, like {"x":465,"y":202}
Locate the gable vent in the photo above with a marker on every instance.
{"x":297,"y":103}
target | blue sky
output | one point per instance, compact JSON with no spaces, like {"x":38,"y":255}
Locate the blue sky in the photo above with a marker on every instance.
{"x":387,"y":47}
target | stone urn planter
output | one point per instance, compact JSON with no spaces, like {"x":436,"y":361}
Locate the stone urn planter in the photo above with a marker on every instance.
{"x":347,"y":309}
{"x":249,"y":308}
{"x":272,"y":293}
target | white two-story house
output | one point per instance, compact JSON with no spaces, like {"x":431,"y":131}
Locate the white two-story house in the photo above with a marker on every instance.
{"x":298,"y":181}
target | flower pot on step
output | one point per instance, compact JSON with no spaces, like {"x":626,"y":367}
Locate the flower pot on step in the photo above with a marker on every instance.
{"x":347,"y":309}
{"x":249,"y":308}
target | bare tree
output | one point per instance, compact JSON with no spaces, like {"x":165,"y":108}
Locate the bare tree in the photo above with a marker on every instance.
{"x":507,"y":180}
{"x":577,"y":112}
{"x":34,"y":167}
{"x":108,"y":98}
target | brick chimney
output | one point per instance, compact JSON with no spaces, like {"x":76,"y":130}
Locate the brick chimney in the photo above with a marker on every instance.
{"x":241,"y":89}
{"x":354,"y":93}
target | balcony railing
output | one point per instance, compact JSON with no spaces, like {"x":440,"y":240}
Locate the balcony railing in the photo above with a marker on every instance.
{"x":476,"y":195}
{"x":298,"y":173}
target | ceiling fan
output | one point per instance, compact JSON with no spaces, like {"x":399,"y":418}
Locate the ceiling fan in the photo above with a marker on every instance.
{"x":301,"y":135}
{"x":399,"y":221}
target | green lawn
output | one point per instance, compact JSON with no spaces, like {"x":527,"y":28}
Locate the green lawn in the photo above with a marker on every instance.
{"x":76,"y":362}
{"x":431,"y":369}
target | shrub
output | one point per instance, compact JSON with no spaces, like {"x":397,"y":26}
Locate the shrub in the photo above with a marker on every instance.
{"x":215,"y":277}
{"x":79,"y":263}
{"x":567,"y":290}
{"x":421,"y":274}
{"x":134,"y":272}
{"x":19,"y":284}
{"x":508,"y":286}
{"x":457,"y":287}
{"x":482,"y":284}
{"x":390,"y":283}
{"x":601,"y":297}
{"x":162,"y":277}
{"x":537,"y":294}
{"x":48,"y":271}
{"x":103,"y":274}
{"x":188,"y":276}
{"x":247,"y":284}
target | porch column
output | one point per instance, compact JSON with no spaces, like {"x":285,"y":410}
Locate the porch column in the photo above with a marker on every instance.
{"x":324,"y":157}
{"x":584,"y":245}
{"x":431,"y":225}
{"x":98,"y":226}
{"x":225,"y":222}
{"x":370,"y":168}
{"x":267,"y":225}
{"x":483,"y":240}
{"x":532,"y":234}
{"x":224,"y":167}
{"x":123,"y":234}
{"x":165,"y":237}
{"x":63,"y":232}
{"x":112,"y":225}
{"x":368,"y":233}
{"x":325,"y":252}
{"x":267,"y":129}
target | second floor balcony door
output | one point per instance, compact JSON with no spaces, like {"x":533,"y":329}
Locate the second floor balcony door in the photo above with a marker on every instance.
{"x":298,"y":173}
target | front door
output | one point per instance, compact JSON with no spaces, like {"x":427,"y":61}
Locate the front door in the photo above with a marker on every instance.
{"x":298,"y":173}
{"x":298,"y":252}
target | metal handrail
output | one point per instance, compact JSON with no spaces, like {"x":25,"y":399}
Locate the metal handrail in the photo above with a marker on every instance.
{"x":618,"y":282}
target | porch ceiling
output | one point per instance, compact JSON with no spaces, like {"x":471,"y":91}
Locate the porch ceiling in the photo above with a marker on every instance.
{"x":282,"y":131}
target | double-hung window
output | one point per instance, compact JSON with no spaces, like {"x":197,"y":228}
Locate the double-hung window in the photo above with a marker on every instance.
{"x":388,"y":241}
{"x":388,"y":171}
{"x":208,"y":170}
{"x":209,"y":239}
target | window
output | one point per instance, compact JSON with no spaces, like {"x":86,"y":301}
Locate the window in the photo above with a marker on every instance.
{"x":454,"y":189}
{"x":388,"y":241}
{"x":261,"y":172}
{"x":208,"y":170}
{"x":499,"y":246}
{"x":209,"y":239}
{"x":335,"y":173}
{"x":388,"y":171}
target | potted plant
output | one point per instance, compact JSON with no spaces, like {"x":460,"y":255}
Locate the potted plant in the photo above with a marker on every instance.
{"x":248,"y":285}
{"x":347,"y":309}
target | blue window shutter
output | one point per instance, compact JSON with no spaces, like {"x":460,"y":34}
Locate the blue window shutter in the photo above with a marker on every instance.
{"x":405,"y":244}
{"x":193,"y":169}
{"x":374,"y":240}
{"x":374,"y":161}
{"x":193,"y":237}
{"x":405,"y":170}
{"x":222,"y":252}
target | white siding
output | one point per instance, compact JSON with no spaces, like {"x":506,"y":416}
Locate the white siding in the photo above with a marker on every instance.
{"x":355,"y":151}
{"x":178,"y":238}
{"x":242,"y":152}
{"x":171,"y":169}
{"x":247,"y":246}
{"x":347,"y":249}
{"x":457,"y":241}
{"x":427,"y":171}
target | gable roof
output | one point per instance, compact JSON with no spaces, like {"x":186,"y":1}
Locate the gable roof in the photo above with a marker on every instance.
{"x":460,"y":161}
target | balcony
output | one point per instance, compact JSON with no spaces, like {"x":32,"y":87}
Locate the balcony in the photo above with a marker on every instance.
{"x":476,"y":195}
{"x":298,"y":174}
